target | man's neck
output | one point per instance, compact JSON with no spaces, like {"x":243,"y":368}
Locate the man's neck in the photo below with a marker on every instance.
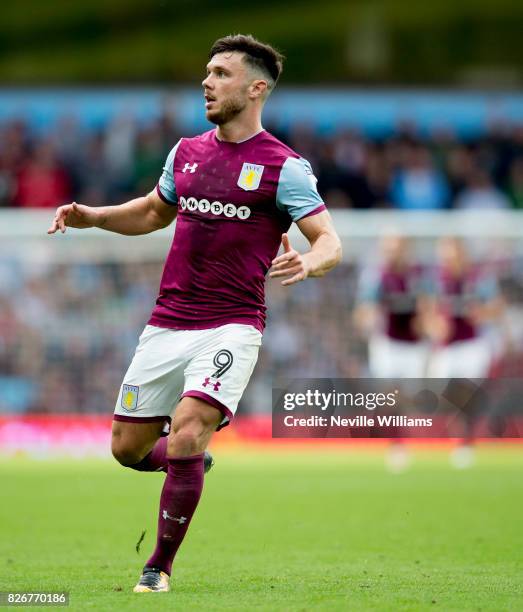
{"x":237,"y":131}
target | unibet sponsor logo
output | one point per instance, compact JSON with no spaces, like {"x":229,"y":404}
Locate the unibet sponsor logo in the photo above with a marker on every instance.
{"x":215,"y":208}
{"x":192,"y":204}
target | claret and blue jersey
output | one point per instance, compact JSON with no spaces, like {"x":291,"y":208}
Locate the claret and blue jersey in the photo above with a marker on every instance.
{"x":234,"y":202}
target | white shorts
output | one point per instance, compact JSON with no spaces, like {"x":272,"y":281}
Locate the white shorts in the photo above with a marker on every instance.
{"x":389,"y":358}
{"x":210,"y":364}
{"x":465,"y":359}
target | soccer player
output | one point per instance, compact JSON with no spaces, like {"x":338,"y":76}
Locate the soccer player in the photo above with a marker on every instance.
{"x":235,"y":191}
{"x":388,"y":312}
{"x":465,"y":300}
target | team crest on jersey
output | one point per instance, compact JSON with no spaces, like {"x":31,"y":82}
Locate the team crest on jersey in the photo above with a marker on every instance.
{"x":130,"y":397}
{"x":250,"y":176}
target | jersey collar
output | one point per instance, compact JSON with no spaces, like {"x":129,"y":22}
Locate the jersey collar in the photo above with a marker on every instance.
{"x":240,"y":141}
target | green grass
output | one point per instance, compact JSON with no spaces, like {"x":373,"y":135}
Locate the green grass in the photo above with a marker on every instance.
{"x":274,"y":531}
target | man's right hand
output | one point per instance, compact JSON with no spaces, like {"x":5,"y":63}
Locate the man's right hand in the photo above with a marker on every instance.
{"x":74,"y":215}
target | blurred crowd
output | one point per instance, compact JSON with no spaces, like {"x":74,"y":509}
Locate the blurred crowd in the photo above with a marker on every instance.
{"x":405,"y":170}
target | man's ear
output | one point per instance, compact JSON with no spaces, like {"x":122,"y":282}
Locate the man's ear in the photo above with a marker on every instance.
{"x":258,"y":89}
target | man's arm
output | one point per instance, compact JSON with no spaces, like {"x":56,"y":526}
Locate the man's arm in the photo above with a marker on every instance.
{"x":366,"y":313}
{"x":139,"y":216}
{"x":325,"y":252}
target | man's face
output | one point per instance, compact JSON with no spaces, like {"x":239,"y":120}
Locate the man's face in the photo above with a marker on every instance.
{"x":225,"y":88}
{"x":395,"y":250}
{"x":451,"y":253}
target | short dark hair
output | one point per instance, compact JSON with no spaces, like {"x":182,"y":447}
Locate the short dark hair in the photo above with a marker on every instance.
{"x":257,"y":54}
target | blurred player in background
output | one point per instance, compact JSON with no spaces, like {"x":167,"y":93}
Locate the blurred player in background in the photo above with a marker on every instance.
{"x":235,"y":191}
{"x":388,"y":314}
{"x":464,"y":299}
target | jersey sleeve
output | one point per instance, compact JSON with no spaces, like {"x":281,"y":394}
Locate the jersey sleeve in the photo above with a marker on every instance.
{"x":369,"y":287}
{"x":297,"y":194}
{"x":166,"y":188}
{"x":487,"y":289}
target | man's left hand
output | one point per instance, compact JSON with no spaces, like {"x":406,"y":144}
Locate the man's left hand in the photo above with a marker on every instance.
{"x":290,"y":263}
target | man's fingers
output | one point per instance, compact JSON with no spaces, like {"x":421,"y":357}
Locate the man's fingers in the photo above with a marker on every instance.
{"x":285,"y":263}
{"x":59,"y":221}
{"x":54,"y":225}
{"x":286,"y":271}
{"x":285,"y":257}
{"x":285,"y":242}
{"x":294,"y":279}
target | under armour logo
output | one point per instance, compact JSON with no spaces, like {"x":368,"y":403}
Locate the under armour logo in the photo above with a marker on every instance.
{"x":180,"y":520}
{"x":215,"y":385}
{"x":191,"y":168}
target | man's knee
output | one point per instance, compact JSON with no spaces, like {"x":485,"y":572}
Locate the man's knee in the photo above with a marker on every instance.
{"x":191,"y":438}
{"x":132,"y":441}
{"x":185,"y":441}
{"x":124,"y":453}
{"x":193,"y":425}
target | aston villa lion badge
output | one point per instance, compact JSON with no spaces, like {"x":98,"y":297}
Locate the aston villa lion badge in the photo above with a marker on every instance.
{"x":250,"y":176}
{"x":130,"y":397}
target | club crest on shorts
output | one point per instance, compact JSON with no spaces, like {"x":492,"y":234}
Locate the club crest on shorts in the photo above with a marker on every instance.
{"x":129,"y":397}
{"x":250,"y":176}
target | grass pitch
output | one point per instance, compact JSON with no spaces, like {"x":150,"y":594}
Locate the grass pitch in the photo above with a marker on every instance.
{"x":304,"y":531}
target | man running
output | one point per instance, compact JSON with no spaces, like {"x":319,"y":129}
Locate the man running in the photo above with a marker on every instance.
{"x":235,"y":191}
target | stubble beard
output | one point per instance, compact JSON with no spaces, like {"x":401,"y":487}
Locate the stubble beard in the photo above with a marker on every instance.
{"x":230,"y":108}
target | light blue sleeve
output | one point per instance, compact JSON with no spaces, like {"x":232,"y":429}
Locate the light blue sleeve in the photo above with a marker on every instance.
{"x":487,"y":289}
{"x":297,"y":194}
{"x":166,"y":186}
{"x":369,"y":287}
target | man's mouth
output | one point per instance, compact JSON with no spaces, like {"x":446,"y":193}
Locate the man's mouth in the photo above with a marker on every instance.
{"x":209,"y":100}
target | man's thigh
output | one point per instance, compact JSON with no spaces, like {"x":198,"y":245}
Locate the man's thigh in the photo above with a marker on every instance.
{"x":154,"y":381}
